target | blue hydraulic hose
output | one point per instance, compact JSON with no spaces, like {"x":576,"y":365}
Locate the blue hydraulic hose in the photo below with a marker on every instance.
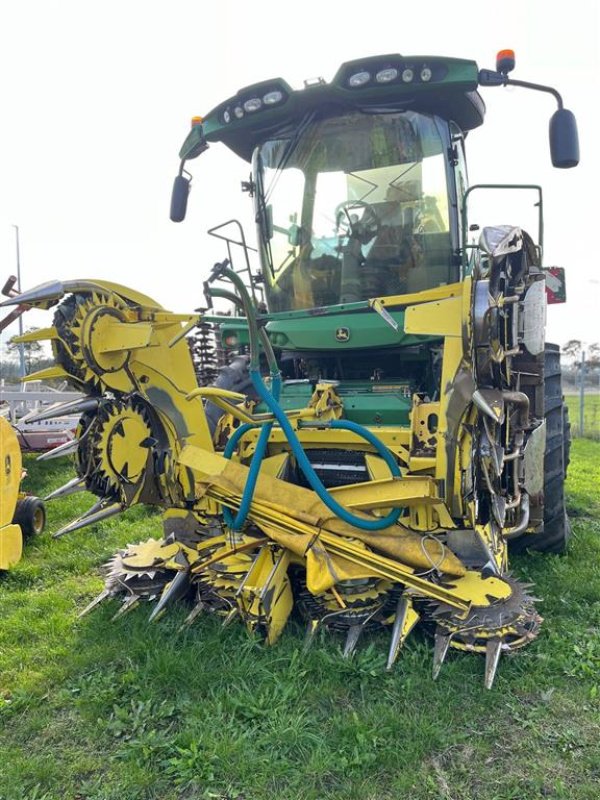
{"x":312,"y":477}
{"x":345,"y":424}
{"x":235,"y":523}
{"x":271,"y":399}
{"x":235,"y":437}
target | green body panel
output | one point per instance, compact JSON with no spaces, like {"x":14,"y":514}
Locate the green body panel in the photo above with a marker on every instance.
{"x":325,"y":332}
{"x":340,"y":332}
{"x":382,"y":403}
{"x":239,"y":329}
{"x":294,"y":394}
{"x":365,"y":402}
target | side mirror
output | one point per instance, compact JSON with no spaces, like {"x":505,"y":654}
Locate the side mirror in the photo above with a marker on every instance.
{"x":564,"y":139}
{"x":179,"y":198}
{"x":265,"y":217}
{"x":296,"y":235}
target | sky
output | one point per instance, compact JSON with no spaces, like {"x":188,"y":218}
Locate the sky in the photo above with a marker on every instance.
{"x":97,"y":99}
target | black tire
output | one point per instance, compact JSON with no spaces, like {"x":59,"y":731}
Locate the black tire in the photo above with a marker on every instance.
{"x":235,"y":378}
{"x":555,"y":535}
{"x":30,"y":515}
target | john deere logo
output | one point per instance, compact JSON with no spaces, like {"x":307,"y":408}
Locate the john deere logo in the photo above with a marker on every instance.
{"x":342,"y":334}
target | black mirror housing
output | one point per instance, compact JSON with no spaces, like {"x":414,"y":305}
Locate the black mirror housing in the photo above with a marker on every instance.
{"x":564,"y":139}
{"x":179,"y":198}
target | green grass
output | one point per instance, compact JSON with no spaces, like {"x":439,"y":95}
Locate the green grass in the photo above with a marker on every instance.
{"x":591,"y":415}
{"x":100,"y":710}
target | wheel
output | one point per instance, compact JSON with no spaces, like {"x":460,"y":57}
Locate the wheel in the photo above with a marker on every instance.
{"x":556,"y":532}
{"x":30,"y":515}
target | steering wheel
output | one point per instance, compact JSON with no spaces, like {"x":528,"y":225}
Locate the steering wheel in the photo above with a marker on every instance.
{"x":355,"y":219}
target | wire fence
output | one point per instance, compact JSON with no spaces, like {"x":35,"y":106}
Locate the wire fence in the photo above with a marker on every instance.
{"x":581,"y":388}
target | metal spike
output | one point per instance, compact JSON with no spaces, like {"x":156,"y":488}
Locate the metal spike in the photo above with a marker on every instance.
{"x":47,"y":294}
{"x":400,"y":630}
{"x":71,"y":487}
{"x":493,"y":650}
{"x":483,"y":404}
{"x":352,"y":638}
{"x":440,"y":649}
{"x":78,"y":406}
{"x":95,"y":602}
{"x":401,"y":610}
{"x":44,"y":293}
{"x":62,"y":450}
{"x":195,"y":612}
{"x":231,"y":615}
{"x":173,"y":591}
{"x":50,"y":373}
{"x":90,"y":518}
{"x":41,"y":335}
{"x":129,"y":604}
{"x":101,"y":503}
{"x":311,"y":632}
{"x":499,"y":509}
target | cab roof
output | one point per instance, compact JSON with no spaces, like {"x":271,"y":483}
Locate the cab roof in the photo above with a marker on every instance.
{"x":430,"y":84}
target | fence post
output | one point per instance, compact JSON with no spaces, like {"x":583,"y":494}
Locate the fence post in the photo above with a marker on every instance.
{"x":581,"y":392}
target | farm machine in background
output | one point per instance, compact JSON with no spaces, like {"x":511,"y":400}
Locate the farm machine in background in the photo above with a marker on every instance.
{"x":21,"y":514}
{"x":389,"y":421}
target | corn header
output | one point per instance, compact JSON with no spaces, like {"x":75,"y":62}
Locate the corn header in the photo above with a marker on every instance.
{"x":386,"y":422}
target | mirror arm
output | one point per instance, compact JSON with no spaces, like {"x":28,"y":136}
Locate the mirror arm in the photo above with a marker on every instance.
{"x":489,"y":77}
{"x":538,"y":87}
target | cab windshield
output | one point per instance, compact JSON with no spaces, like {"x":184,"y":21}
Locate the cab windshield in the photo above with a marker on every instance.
{"x":354,"y":207}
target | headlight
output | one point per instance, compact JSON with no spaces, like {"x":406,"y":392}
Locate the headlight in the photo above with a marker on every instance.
{"x":359,"y":79}
{"x":273,"y":97}
{"x":386,"y":75}
{"x":238,"y":111}
{"x":227,"y":115}
{"x":407,"y":75}
{"x":426,"y":74}
{"x":253,"y":104}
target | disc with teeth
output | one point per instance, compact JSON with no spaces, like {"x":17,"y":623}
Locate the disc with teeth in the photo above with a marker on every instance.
{"x":69,"y":347}
{"x":117,"y":447}
{"x":505,"y":620}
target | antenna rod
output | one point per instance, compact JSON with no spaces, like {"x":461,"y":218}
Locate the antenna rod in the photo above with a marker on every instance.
{"x":20,"y":289}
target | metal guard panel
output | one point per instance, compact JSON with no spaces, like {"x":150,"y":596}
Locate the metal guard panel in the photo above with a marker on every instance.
{"x":342,"y":332}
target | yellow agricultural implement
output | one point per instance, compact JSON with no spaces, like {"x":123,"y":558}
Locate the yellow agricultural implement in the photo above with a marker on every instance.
{"x":21,"y":514}
{"x":387,"y":418}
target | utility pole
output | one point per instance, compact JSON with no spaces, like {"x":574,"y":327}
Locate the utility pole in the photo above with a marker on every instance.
{"x":21,"y":346}
{"x":581,"y":393}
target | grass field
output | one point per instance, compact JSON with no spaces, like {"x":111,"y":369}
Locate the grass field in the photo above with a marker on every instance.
{"x":591,"y":415}
{"x":101,"y":710}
